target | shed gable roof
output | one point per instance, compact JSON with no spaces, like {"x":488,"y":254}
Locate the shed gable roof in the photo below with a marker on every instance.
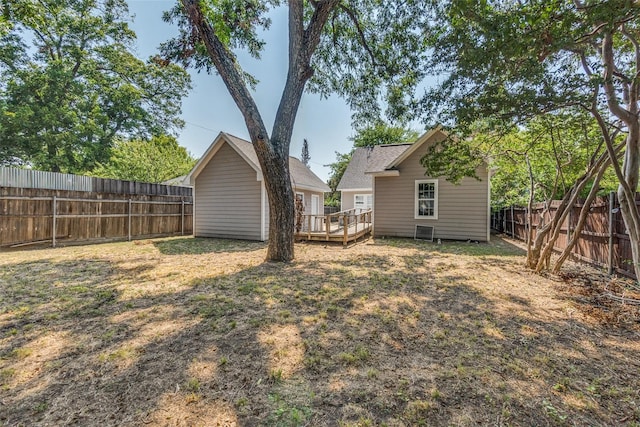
{"x":301,"y":176}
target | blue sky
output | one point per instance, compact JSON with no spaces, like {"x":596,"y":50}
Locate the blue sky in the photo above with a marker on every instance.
{"x":209,"y":109}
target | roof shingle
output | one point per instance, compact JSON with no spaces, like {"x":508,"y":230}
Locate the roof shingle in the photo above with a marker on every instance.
{"x":369,"y":159}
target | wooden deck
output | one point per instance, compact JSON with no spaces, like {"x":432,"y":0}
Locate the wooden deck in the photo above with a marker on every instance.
{"x":346,"y":226}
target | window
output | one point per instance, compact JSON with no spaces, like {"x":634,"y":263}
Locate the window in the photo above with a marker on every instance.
{"x":300,"y":196}
{"x":362,"y":201}
{"x":427,"y":199}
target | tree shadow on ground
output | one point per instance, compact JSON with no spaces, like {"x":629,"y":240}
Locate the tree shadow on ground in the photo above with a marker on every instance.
{"x":496,"y":247}
{"x":204,"y":245}
{"x":339,"y":339}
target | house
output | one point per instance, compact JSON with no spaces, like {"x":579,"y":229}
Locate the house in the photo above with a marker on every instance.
{"x":356,"y":187}
{"x":229,"y":193}
{"x":391,"y":180}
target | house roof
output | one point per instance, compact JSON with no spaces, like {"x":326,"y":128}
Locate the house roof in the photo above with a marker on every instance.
{"x":377,"y":160}
{"x":302,"y":177}
{"x":180,"y":181}
{"x":365,"y":159}
{"x":424,"y":138}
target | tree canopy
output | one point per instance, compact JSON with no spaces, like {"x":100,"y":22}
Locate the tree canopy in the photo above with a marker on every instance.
{"x":155,"y":160}
{"x":379,"y":133}
{"x":506,"y":62}
{"x":71,"y":85}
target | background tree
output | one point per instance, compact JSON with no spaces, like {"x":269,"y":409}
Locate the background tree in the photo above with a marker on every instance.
{"x":337,"y":170}
{"x":351,"y":38}
{"x":558,"y":156}
{"x":155,"y":160}
{"x":506,"y":62}
{"x":305,"y":156}
{"x":71,"y":85}
{"x":380,"y":132}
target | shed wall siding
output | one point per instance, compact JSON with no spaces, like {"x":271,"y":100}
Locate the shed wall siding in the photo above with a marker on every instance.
{"x":307,"y":200}
{"x":462,"y":209}
{"x":266,"y":212}
{"x":228,"y":197}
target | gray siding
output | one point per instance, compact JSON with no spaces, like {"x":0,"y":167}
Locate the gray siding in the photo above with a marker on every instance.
{"x":307,"y":200}
{"x":227,"y":198}
{"x":347,"y":199}
{"x":462,"y":209}
{"x":266,"y":213}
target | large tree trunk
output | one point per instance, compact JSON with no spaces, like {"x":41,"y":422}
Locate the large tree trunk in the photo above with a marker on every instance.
{"x":273,"y":152}
{"x":628,"y":175}
{"x":281,"y":211}
{"x":628,"y":206}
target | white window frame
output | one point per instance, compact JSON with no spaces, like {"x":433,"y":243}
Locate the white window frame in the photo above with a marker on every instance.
{"x":301,"y":196}
{"x":365,"y":197}
{"x":435,"y":199}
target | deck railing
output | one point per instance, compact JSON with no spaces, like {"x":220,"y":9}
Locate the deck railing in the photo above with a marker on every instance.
{"x":342,"y":226}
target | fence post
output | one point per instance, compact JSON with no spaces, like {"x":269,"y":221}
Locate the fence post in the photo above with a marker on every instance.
{"x":129,"y":222}
{"x":504,"y":221}
{"x":612,"y":198}
{"x":513,"y":224}
{"x":569,"y":223}
{"x":182,"y":218}
{"x":54,"y":224}
{"x":527,"y":224}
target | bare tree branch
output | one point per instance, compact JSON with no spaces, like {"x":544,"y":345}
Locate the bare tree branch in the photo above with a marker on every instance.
{"x":363,"y":40}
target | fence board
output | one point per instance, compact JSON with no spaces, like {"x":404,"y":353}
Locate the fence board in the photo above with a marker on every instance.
{"x":592,"y":245}
{"x":26,"y":215}
{"x":31,"y":179}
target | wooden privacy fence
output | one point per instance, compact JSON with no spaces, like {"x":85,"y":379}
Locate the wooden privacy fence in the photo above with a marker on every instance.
{"x":63,"y":211}
{"x":603,"y":241}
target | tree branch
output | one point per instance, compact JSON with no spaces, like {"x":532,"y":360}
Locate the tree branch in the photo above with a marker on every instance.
{"x":610,"y":91}
{"x":313,"y":31}
{"x":635,"y":83}
{"x":302,"y":45}
{"x":225,"y":64}
{"x":351,"y":14}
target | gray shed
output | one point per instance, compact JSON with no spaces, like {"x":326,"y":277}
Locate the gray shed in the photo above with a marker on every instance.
{"x":229,"y":194}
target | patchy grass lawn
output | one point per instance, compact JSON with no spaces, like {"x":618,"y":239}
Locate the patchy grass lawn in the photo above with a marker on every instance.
{"x":187,"y":332}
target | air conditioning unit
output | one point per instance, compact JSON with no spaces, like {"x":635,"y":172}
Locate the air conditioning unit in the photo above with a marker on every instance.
{"x":424,"y":232}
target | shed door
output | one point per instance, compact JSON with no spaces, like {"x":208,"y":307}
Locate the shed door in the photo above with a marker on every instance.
{"x":315,"y":204}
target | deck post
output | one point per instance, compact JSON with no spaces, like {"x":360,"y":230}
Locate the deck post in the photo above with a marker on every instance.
{"x":357,"y":218}
{"x":345,"y":222}
{"x":309,"y":228}
{"x":327,"y":225}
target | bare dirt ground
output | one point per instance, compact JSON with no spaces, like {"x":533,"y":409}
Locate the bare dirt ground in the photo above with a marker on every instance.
{"x":201,"y":332}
